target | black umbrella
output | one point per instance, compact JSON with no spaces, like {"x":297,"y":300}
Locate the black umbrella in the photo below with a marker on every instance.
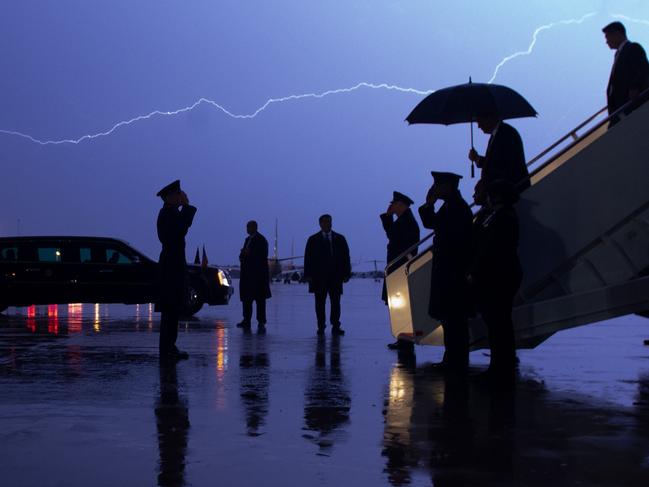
{"x":463,"y":103}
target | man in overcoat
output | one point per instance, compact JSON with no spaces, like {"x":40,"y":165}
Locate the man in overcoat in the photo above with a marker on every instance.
{"x":449,"y":299}
{"x":326,"y":267}
{"x":505,"y":156}
{"x":254,"y":284}
{"x":402,"y":233}
{"x":174,"y":220}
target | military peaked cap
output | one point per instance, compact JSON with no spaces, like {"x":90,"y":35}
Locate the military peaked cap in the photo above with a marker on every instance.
{"x":170,"y":188}
{"x":446,"y":177}
{"x":396,"y":196}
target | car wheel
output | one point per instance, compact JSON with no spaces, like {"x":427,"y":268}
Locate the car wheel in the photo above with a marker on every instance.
{"x":196,"y":298}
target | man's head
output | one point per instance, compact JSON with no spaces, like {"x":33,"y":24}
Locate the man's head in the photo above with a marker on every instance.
{"x":480,"y":193}
{"x":487,"y":122}
{"x":251,"y":227}
{"x":171,"y":194}
{"x":325,"y":223}
{"x":445,"y":184}
{"x":400,"y":203}
{"x":615,"y":34}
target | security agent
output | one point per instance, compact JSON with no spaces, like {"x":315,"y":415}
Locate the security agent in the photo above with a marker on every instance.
{"x":449,"y":299}
{"x":326,"y":267}
{"x":174,"y":220}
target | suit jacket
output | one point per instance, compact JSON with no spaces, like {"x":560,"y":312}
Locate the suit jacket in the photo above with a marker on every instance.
{"x":172,"y":226}
{"x":326,"y":272}
{"x":254,"y":279}
{"x":452,"y":246}
{"x":505,"y":158}
{"x":630,"y":72}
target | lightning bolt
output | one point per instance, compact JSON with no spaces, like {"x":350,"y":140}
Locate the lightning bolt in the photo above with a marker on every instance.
{"x":271,"y":101}
{"x":207,"y":101}
{"x":535,"y":36}
{"x":629,"y":19}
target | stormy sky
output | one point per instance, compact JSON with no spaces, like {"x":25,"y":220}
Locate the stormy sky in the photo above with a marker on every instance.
{"x":76,"y":67}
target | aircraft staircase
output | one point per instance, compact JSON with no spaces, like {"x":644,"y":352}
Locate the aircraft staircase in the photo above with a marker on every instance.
{"x":584,"y":239}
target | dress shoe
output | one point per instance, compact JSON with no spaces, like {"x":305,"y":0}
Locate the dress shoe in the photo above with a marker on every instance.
{"x":261,"y":329}
{"x":336,"y":330}
{"x":321,"y":331}
{"x":243,"y":324}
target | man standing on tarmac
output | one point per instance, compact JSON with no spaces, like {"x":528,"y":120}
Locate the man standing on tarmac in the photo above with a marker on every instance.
{"x":254,"y":284}
{"x":402,"y":234}
{"x":173,"y":224}
{"x":326,"y":267}
{"x":449,"y":298}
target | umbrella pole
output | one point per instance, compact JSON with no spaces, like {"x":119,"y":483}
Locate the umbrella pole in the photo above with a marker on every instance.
{"x":472,"y":165}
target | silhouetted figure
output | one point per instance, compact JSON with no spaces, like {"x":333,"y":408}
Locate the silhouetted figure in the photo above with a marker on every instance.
{"x":173,"y":225}
{"x":326,"y":399}
{"x":505,"y":156}
{"x":254,"y":381}
{"x":496,"y":275}
{"x":326,"y":267}
{"x":630,"y":72}
{"x":172,"y":422}
{"x":449,"y":302}
{"x":402,"y":233}
{"x":254,"y":284}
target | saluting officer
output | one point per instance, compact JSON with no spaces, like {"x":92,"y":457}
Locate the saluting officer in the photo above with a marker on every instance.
{"x":173,"y":224}
{"x":402,"y":233}
{"x":449,"y":302}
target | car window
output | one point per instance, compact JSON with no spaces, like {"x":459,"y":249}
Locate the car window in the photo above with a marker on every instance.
{"x":9,"y":254}
{"x":49,"y":254}
{"x":114,"y":256}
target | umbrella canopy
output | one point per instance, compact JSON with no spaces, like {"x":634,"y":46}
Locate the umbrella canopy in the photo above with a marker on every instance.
{"x":462,"y":103}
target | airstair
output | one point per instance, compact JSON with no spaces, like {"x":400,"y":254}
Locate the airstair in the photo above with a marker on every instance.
{"x":584,"y":239}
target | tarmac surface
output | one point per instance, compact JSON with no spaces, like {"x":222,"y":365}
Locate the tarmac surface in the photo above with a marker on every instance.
{"x":85,"y":402}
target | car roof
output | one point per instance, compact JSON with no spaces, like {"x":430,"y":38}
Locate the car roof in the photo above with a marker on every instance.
{"x":68,"y":238}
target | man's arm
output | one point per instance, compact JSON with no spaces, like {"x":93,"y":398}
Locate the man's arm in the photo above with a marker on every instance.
{"x":428,"y":215}
{"x":347,"y":264}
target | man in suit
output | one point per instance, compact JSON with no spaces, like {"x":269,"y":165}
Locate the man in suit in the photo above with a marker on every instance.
{"x":449,"y":299}
{"x":254,"y":280}
{"x":402,"y":233}
{"x":326,"y":267}
{"x":505,"y":156}
{"x":172,"y":227}
{"x":630,"y":72}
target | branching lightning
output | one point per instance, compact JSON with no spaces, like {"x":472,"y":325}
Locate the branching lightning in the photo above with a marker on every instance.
{"x":535,"y":36}
{"x":271,"y":101}
{"x":206,"y":101}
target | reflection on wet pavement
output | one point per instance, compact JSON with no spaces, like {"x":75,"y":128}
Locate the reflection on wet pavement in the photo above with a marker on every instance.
{"x":85,"y":401}
{"x":326,"y":399}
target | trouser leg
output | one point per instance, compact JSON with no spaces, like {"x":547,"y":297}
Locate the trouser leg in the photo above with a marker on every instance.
{"x":168,"y":331}
{"x":334,"y":299}
{"x":261,"y":311}
{"x":498,"y":318}
{"x":247,"y":310}
{"x":456,"y":341}
{"x":320,"y":302}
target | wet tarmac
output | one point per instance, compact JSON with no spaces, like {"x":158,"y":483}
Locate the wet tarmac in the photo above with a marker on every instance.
{"x":84,"y":401}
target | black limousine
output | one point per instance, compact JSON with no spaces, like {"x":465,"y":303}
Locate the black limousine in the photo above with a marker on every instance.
{"x":59,"y":270}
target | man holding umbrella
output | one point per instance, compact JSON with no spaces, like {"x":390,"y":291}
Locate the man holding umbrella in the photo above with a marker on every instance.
{"x":452,"y":244}
{"x":505,"y":157}
{"x":489,"y":105}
